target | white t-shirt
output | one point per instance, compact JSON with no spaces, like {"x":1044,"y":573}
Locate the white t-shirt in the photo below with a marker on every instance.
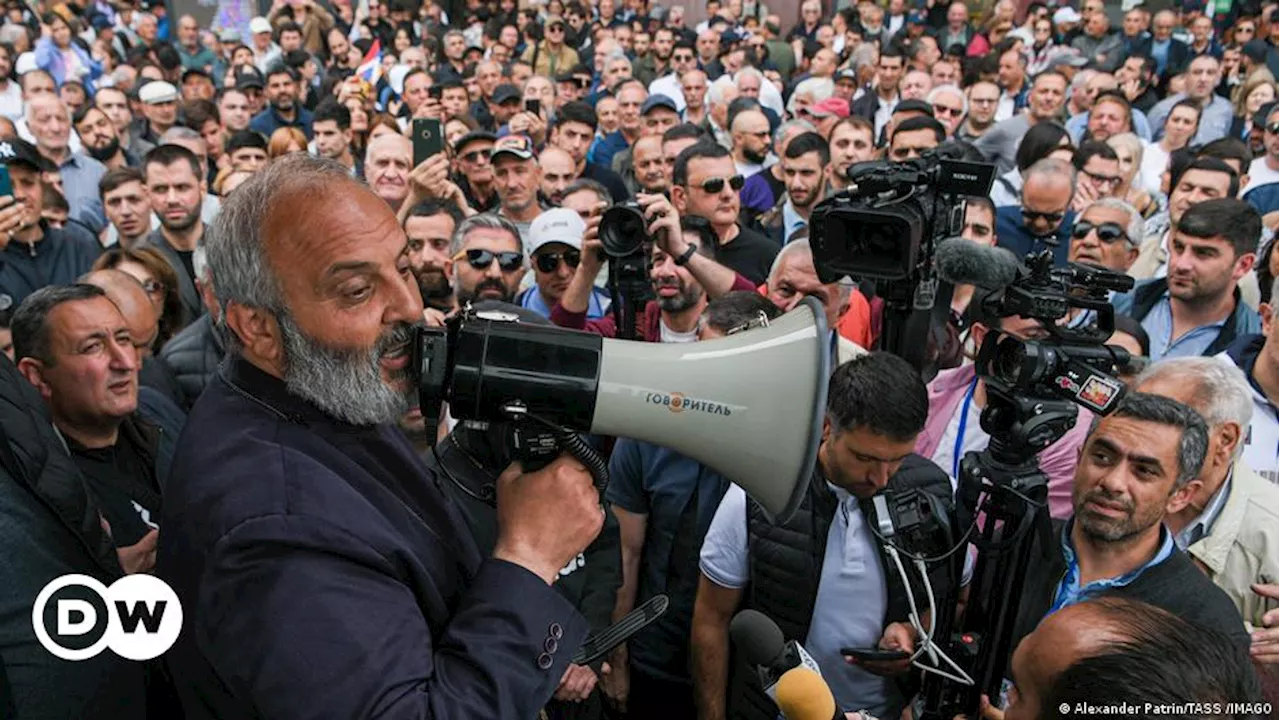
{"x":11,"y":101}
{"x":671,"y":336}
{"x":1154,"y":162}
{"x":1260,"y":174}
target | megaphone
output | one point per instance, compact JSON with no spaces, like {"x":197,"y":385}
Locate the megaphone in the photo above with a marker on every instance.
{"x":750,"y":406}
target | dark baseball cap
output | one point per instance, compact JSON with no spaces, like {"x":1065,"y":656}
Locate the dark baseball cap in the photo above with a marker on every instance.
{"x":655,"y":101}
{"x":249,"y":77}
{"x":471,"y":137}
{"x":913,"y":105}
{"x":14,"y":151}
{"x":517,"y":145}
{"x":505,"y":93}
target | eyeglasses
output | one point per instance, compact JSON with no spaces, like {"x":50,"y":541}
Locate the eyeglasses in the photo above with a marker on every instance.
{"x":481,"y":259}
{"x":1053,"y":217}
{"x":550,"y":262}
{"x":555,"y":28}
{"x":1106,"y":180}
{"x":1108,"y":232}
{"x":711,"y":186}
{"x":948,"y":111}
{"x":475,"y":156}
{"x":682,"y":58}
{"x":983,"y":101}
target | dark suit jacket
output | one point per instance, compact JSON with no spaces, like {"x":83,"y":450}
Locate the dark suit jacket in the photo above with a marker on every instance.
{"x":192,"y":308}
{"x":1179,"y":55}
{"x":324,"y":574}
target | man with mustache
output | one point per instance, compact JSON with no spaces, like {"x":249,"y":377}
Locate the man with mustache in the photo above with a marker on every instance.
{"x":173,"y":182}
{"x":429,"y":226}
{"x":488,"y":260}
{"x":299,"y":497}
{"x":555,"y":251}
{"x":99,"y":138}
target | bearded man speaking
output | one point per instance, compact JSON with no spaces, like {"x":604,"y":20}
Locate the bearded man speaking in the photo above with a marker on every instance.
{"x":322,"y":572}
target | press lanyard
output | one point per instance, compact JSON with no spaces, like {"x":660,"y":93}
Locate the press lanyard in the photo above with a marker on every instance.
{"x":964,"y":421}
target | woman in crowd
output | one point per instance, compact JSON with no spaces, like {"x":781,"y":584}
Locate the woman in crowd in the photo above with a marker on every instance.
{"x":1129,"y":149}
{"x":150,"y":268}
{"x":1259,"y":90}
{"x":58,"y":54}
{"x":284,"y":141}
{"x":1179,"y":127}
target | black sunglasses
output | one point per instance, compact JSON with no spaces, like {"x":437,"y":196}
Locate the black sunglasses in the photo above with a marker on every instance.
{"x":711,"y":186}
{"x":549,"y":262}
{"x":1108,"y":232}
{"x":1031,"y":215}
{"x":482,"y":259}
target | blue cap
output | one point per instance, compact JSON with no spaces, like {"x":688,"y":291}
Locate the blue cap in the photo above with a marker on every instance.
{"x":658,"y":100}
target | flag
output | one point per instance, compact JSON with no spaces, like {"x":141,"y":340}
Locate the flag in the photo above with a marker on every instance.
{"x":370,"y":69}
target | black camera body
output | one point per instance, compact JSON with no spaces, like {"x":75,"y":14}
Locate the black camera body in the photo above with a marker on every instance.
{"x":883,"y":227}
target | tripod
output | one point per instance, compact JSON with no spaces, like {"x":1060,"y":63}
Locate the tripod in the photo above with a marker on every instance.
{"x":1008,"y":477}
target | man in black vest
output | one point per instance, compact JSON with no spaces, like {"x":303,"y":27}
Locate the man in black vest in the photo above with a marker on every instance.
{"x":821,"y":576}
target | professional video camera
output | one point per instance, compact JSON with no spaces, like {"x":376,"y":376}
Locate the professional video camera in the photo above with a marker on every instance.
{"x":897,"y":227}
{"x":625,"y":236}
{"x":885,"y":229}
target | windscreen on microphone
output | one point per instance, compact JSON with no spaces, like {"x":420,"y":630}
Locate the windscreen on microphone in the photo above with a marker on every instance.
{"x":965,"y":262}
{"x":757,"y":638}
{"x":803,"y":695}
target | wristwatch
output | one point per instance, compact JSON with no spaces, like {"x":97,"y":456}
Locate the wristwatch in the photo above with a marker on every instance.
{"x":689,"y":252}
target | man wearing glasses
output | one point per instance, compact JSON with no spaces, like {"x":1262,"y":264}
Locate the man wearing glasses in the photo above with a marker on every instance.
{"x":983,"y":99}
{"x":551,"y":56}
{"x":555,"y":250}
{"x":473,"y":171}
{"x":683,"y":59}
{"x":488,"y":263}
{"x":1098,"y":174}
{"x":1263,"y":189}
{"x":949,"y":106}
{"x":1044,"y":219}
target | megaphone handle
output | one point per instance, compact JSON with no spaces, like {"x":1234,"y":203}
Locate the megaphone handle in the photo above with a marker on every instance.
{"x":566,"y":441}
{"x":571,"y":443}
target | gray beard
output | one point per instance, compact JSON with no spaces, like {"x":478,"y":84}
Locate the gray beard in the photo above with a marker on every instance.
{"x":343,"y":384}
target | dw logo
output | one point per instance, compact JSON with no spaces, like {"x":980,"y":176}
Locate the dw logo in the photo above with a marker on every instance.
{"x":138,"y":617}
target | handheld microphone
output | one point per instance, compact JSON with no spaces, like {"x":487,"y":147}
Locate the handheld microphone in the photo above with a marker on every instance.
{"x":961,"y":261}
{"x":763,"y":646}
{"x":803,"y":695}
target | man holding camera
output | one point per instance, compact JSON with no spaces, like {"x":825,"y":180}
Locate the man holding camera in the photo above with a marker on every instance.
{"x":321,"y":570}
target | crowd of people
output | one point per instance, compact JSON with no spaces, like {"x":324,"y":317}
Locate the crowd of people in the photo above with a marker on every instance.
{"x":216,"y":242}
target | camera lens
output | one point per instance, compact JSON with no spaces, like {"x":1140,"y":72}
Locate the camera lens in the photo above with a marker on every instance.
{"x":622,"y":231}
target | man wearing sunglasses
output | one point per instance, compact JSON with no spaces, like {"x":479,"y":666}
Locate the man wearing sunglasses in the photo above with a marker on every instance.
{"x":551,"y":55}
{"x":1045,"y":212}
{"x":949,"y":106}
{"x":1105,"y":235}
{"x":705,"y":183}
{"x":555,"y":251}
{"x":488,"y":263}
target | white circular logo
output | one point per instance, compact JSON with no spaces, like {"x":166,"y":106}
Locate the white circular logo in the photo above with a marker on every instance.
{"x":143,"y":617}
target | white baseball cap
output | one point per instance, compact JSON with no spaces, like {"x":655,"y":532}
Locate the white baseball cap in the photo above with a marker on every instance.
{"x":1066,"y":15}
{"x":259,"y":25}
{"x":557,"y":225}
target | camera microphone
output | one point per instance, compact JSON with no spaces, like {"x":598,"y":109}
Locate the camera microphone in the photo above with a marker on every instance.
{"x":802,"y":694}
{"x":962,"y":261}
{"x":763,"y":646}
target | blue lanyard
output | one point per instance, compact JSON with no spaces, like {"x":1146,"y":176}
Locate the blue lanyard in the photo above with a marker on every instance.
{"x":964,"y":421}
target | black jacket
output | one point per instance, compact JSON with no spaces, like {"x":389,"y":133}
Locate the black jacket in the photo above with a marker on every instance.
{"x":51,"y":528}
{"x":324,"y":573}
{"x":192,"y":308}
{"x":62,"y":256}
{"x":193,"y":356}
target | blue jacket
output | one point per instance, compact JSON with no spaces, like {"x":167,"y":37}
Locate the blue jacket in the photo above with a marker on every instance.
{"x":324,"y":574}
{"x":268,"y":121}
{"x":1013,"y":234}
{"x":50,"y":59}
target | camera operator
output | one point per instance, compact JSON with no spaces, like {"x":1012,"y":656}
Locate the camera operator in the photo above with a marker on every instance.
{"x":664,"y":502}
{"x":705,"y":182}
{"x":820,"y":575}
{"x":357,"y":587}
{"x":682,"y":272}
{"x":471,"y":460}
{"x":1229,"y":526}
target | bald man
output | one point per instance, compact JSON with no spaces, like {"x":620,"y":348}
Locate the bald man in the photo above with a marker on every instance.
{"x":750,"y":132}
{"x":558,"y":170}
{"x":387,"y":163}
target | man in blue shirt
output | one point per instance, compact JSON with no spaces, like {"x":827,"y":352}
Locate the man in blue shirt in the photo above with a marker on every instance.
{"x":284,"y":109}
{"x":1197,"y":309}
{"x":1045,"y":216}
{"x":664,"y":503}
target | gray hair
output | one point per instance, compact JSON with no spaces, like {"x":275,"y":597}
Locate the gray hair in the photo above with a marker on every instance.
{"x":786,"y":127}
{"x":1222,"y":394}
{"x":1193,"y":444}
{"x":1135,"y":229}
{"x":179,"y":132}
{"x":1051,"y":168}
{"x":616,"y":56}
{"x":715,"y":91}
{"x":817,"y":88}
{"x":1133,"y":143}
{"x":234,"y":242}
{"x":748,"y":71}
{"x":594,"y":186}
{"x":490,"y":221}
{"x":801,"y":245}
{"x":934,"y":93}
{"x":10,"y":34}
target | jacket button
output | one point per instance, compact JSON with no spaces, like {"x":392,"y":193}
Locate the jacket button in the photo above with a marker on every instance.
{"x":550,"y":645}
{"x":544,"y":661}
{"x":555,"y":630}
